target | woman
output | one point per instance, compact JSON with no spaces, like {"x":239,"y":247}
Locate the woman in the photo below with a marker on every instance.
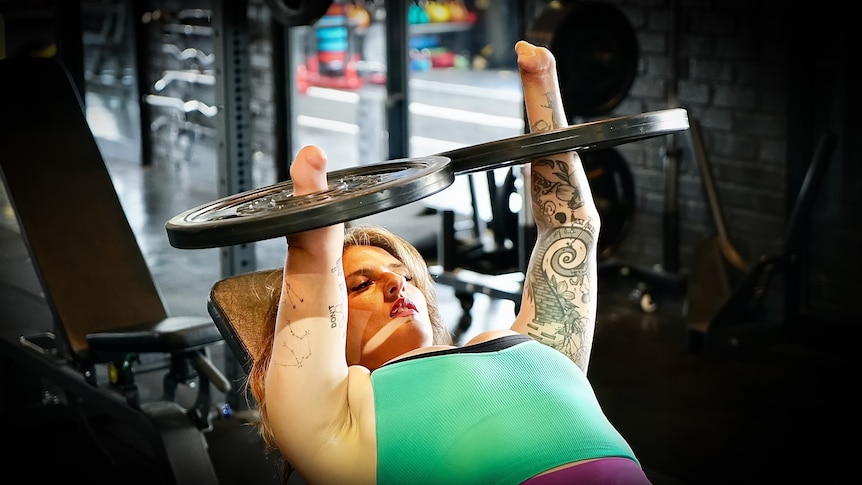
{"x":510,"y":406}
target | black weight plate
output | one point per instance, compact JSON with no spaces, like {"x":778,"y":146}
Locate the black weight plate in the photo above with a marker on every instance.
{"x":357,"y":192}
{"x":596,"y":50}
{"x":273,"y":211}
{"x":294,"y":13}
{"x":613,"y":189}
{"x":581,"y":137}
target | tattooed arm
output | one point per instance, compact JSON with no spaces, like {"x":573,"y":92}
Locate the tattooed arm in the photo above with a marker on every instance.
{"x":316,"y":406}
{"x":558,"y":306}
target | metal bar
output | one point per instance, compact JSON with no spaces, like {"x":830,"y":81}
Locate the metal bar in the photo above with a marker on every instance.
{"x":282,"y":81}
{"x":232,"y":94}
{"x":397,"y":115}
{"x":142,"y":80}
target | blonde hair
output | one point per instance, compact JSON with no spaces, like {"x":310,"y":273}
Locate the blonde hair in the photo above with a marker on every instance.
{"x":376,"y":236}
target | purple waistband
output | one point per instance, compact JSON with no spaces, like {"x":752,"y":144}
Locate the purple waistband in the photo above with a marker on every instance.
{"x":603,"y":471}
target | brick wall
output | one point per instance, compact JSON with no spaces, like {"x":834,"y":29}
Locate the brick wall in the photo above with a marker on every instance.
{"x":739,"y":70}
{"x":731,"y":79}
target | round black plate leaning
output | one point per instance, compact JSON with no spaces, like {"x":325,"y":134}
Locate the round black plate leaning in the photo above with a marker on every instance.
{"x":582,"y":137}
{"x":274,"y":211}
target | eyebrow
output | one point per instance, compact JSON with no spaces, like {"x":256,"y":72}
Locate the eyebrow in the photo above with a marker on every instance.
{"x":363,"y":270}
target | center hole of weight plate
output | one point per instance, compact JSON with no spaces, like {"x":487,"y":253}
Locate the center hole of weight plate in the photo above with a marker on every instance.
{"x":285,"y":197}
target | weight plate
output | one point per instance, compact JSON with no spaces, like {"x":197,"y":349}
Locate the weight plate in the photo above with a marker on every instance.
{"x":298,"y":13}
{"x":581,"y":137}
{"x":596,"y":49}
{"x":613,"y":189}
{"x":274,"y":211}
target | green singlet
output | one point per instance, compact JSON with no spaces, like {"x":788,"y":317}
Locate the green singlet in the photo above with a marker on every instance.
{"x":501,"y":412}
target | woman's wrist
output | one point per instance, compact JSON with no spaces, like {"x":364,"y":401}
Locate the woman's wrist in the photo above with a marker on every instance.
{"x":324,"y":244}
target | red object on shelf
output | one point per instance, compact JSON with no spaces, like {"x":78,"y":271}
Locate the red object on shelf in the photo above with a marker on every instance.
{"x":308,"y":75}
{"x":443,"y":59}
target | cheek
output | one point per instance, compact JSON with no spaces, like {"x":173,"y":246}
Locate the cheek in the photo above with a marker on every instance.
{"x":357,"y":323}
{"x":419,"y":299}
{"x":362,"y":302}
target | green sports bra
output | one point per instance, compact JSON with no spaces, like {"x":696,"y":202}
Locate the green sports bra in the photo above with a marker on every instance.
{"x":500,"y":411}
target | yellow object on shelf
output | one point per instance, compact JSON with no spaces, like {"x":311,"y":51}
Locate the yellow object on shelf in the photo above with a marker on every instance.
{"x":437,"y":11}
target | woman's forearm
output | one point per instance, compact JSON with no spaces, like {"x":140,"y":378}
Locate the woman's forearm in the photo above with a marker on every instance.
{"x":313,"y":288}
{"x":306,"y":381}
{"x":559,"y":302}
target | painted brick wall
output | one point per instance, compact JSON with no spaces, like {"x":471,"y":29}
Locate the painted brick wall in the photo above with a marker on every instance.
{"x":731,"y":79}
{"x":736,"y":64}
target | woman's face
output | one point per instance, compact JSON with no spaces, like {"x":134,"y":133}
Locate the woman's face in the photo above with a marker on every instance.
{"x":387,"y":315}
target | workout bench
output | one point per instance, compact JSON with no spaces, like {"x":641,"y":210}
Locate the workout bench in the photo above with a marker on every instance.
{"x":239,"y":305}
{"x":104,"y":313}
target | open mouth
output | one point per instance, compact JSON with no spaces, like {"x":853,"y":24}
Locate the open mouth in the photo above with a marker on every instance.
{"x":402,"y":307}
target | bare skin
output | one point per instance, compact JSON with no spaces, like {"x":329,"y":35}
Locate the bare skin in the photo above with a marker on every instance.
{"x":558,"y":306}
{"x":387,"y":315}
{"x":320,"y":406}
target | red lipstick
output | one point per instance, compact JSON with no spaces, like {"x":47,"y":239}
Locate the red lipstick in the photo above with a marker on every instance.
{"x":403,"y":307}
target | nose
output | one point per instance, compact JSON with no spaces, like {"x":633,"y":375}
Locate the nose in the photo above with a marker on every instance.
{"x":394,"y":286}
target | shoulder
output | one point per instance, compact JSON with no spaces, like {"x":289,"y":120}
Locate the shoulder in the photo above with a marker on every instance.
{"x":490,"y":335}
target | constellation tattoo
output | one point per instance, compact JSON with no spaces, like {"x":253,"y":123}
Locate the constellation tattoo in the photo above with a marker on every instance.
{"x":291,"y":294}
{"x":303,"y":347}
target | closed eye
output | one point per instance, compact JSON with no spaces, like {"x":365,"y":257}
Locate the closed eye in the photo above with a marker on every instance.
{"x":365,"y":283}
{"x":361,"y":286}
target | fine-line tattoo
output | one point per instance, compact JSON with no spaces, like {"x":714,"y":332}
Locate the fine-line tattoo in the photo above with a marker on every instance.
{"x":292,"y":296}
{"x":302,"y":350}
{"x":336,"y":311}
{"x":543,"y":125}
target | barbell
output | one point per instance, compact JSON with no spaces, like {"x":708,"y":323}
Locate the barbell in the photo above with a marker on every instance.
{"x":274,"y":211}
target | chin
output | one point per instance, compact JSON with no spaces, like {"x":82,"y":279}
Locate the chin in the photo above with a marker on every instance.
{"x":410,"y":336}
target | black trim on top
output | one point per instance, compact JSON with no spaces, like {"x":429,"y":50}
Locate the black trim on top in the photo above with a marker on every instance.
{"x":493,"y":345}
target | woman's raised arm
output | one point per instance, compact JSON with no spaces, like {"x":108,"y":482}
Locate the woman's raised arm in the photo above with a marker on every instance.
{"x":558,"y":305}
{"x":312,"y":398}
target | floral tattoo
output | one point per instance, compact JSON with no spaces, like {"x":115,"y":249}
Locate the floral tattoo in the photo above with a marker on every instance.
{"x":560,"y":282}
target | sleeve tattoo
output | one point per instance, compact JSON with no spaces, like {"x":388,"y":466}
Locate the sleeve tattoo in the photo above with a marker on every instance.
{"x":560,"y":285}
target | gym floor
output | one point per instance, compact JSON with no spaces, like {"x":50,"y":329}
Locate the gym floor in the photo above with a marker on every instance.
{"x":772,"y":415}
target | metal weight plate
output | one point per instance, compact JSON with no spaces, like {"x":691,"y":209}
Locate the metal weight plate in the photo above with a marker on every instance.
{"x":581,"y":137}
{"x":294,"y":13}
{"x":274,"y":211}
{"x":597,"y":54}
{"x":613,"y":189}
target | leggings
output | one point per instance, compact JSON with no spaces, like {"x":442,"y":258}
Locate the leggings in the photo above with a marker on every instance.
{"x":603,"y":471}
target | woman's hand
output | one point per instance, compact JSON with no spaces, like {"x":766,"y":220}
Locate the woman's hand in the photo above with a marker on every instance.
{"x":308,"y":173}
{"x":538,"y":70}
